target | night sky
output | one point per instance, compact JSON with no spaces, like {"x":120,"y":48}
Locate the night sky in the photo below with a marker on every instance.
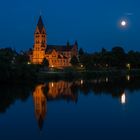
{"x":93,"y":23}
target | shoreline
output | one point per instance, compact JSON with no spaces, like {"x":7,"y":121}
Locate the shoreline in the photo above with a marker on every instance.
{"x":73,"y":75}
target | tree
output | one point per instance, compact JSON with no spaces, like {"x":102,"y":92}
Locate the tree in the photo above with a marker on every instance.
{"x":22,"y":58}
{"x":103,"y":51}
{"x":118,"y":57}
{"x":81,"y":52}
{"x":45,"y":63}
{"x":118,"y":50}
{"x":74,"y":61}
{"x":7,"y":56}
{"x":68,"y":44}
{"x":133,"y":58}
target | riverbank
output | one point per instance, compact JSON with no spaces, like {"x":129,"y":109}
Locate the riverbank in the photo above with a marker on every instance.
{"x":71,"y":75}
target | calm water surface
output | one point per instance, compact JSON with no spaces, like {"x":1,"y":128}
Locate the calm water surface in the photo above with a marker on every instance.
{"x":98,"y":109}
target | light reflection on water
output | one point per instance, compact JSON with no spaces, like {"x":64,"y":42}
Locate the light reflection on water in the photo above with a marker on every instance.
{"x":128,"y":77}
{"x":123,"y":98}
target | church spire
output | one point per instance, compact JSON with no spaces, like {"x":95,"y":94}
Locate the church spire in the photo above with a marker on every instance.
{"x":40,"y":24}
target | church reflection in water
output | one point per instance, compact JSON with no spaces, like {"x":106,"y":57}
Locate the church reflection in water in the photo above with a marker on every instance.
{"x":69,"y":91}
{"x":51,"y":91}
{"x":40,"y":103}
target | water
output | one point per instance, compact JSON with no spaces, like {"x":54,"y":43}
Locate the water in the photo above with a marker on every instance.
{"x":98,"y":109}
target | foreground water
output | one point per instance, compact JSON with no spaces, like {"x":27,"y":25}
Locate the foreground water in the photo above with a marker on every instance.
{"x":98,"y":109}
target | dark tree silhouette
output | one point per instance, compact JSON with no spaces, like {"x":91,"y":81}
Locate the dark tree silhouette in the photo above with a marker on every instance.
{"x":81,"y":52}
{"x":45,"y":62}
{"x":74,"y":61}
{"x":118,"y":57}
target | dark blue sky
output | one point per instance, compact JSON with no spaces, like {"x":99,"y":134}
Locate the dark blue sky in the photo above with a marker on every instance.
{"x":94,"y":23}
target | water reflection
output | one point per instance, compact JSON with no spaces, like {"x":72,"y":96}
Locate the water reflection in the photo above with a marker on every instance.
{"x":10,"y":93}
{"x":40,"y":102}
{"x":123,"y":98}
{"x":128,"y":77}
{"x":107,"y":79}
{"x":60,"y":90}
{"x":67,"y":91}
{"x":82,"y":82}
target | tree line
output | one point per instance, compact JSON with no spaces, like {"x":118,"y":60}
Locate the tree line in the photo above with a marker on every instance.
{"x":14,"y":67}
{"x":117,"y":58}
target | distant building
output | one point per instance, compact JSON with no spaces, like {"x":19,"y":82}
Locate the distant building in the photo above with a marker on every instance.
{"x":57,"y":56}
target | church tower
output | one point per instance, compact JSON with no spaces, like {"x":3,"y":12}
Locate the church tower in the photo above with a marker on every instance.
{"x":40,"y":43}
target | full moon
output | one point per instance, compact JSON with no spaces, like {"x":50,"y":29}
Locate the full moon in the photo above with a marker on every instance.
{"x":123,"y":23}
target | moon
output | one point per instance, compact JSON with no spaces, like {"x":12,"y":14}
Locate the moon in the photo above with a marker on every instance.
{"x":123,"y":23}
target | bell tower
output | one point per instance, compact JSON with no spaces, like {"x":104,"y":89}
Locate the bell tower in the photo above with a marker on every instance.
{"x":40,"y":43}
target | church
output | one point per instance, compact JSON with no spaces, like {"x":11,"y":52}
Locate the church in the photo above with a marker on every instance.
{"x":58,"y":56}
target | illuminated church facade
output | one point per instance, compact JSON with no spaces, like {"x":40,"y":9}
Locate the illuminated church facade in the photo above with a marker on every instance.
{"x":57,"y":56}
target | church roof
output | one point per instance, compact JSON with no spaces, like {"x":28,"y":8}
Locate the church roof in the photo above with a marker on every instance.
{"x":40,"y":24}
{"x":58,"y":48}
{"x":62,"y":57}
